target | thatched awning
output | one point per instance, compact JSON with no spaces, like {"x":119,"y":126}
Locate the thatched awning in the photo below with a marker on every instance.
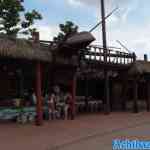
{"x":81,"y":39}
{"x":74,"y":43}
{"x":24,"y":49}
{"x":140,"y":67}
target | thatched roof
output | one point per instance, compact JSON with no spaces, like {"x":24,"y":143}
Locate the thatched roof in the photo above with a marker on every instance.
{"x":140,"y":67}
{"x":81,"y":38}
{"x":24,"y":49}
{"x":73,"y":44}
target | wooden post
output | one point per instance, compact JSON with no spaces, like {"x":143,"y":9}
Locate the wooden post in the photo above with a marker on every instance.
{"x":148,"y":96}
{"x":135,"y":92}
{"x":124,"y":94}
{"x":104,"y":30}
{"x":86,"y":92}
{"x":39,"y":94}
{"x":20,"y":83}
{"x":73,"y":90}
{"x":106,"y":86}
{"x":106,"y":93}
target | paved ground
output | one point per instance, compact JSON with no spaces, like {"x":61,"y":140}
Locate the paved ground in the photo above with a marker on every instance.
{"x":86,"y":132}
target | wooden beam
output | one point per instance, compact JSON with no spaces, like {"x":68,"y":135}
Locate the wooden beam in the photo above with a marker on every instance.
{"x":39,"y":108}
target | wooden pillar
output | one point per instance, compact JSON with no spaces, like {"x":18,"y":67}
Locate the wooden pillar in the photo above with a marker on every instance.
{"x":38,"y":80}
{"x":104,"y":30}
{"x":73,"y":90}
{"x":106,"y":93}
{"x":86,"y":92}
{"x":148,"y":96}
{"x":124,"y":94}
{"x":39,"y":94}
{"x":135,"y":98}
{"x":20,"y":83}
{"x":106,"y":84}
{"x":124,"y":98}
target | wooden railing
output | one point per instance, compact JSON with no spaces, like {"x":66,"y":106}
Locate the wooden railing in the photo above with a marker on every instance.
{"x":95,"y":53}
{"x":50,"y":43}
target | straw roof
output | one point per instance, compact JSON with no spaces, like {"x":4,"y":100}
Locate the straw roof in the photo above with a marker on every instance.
{"x":81,"y":38}
{"x":23,"y":49}
{"x":140,"y":67}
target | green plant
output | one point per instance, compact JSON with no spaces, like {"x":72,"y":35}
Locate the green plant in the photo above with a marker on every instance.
{"x":66,"y":30}
{"x":14,"y":19}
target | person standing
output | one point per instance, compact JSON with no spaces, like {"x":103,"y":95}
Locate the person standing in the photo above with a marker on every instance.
{"x":32,"y":97}
{"x":69,"y":110}
{"x":51,"y":105}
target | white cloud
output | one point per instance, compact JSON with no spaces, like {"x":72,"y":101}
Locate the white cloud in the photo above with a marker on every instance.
{"x":47,"y":32}
{"x":75,"y":3}
{"x":135,"y":37}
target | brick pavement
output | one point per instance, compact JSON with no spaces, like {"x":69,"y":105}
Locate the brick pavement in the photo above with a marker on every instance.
{"x":62,"y":134}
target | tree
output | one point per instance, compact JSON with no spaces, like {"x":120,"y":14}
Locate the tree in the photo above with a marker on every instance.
{"x":66,"y":30}
{"x":11,"y":12}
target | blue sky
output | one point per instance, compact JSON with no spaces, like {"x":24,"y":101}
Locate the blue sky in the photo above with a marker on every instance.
{"x":130,"y":24}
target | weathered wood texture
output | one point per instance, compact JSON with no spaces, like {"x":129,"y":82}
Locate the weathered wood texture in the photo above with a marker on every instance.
{"x":39,"y":106}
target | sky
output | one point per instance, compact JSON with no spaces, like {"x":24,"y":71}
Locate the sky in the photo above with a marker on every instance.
{"x":130,"y":24}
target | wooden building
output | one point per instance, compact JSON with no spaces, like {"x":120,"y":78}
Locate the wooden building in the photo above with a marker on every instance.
{"x":139,"y":74}
{"x":27,"y":64}
{"x":31,"y":64}
{"x":22,"y":66}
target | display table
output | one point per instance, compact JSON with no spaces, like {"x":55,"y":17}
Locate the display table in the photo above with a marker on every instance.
{"x":8,"y":113}
{"x":19,"y":114}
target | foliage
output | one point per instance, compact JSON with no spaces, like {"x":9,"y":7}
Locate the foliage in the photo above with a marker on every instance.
{"x":66,"y":30}
{"x":11,"y":14}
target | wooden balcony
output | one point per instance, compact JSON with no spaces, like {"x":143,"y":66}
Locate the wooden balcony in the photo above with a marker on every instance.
{"x":114,"y":57}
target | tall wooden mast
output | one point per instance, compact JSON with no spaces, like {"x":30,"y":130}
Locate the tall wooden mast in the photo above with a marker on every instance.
{"x":106,"y":87}
{"x":104,"y":30}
